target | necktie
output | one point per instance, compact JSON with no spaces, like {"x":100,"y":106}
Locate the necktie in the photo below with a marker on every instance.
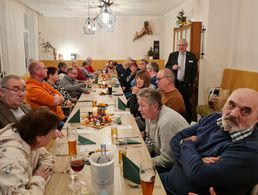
{"x":181,"y":67}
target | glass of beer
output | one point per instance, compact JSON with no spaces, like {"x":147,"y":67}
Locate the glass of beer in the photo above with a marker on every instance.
{"x":122,"y":147}
{"x":114,"y":132}
{"x":94,"y":103}
{"x":147,"y":176}
{"x":72,"y":141}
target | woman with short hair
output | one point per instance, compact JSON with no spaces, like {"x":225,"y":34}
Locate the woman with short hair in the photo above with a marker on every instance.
{"x":162,"y":123}
{"x":52,"y":79}
{"x":142,"y":79}
{"x":25,"y":164}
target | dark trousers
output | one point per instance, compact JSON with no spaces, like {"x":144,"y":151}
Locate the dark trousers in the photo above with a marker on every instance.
{"x":186,"y":92}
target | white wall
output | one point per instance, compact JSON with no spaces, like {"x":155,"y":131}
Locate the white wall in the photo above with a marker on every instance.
{"x":231,"y":39}
{"x":66,"y":35}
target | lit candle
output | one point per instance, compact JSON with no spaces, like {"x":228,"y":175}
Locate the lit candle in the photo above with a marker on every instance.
{"x":95,"y":111}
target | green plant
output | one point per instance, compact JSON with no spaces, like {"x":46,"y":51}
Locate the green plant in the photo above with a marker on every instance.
{"x":181,"y":19}
{"x":150,"y":52}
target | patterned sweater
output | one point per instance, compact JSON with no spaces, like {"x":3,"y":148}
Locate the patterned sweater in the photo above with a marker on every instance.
{"x":18,"y":163}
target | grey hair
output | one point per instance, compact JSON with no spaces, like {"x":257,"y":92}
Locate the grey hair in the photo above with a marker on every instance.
{"x":169,"y":74}
{"x":5,"y":79}
{"x":153,"y":96}
{"x":153,"y":66}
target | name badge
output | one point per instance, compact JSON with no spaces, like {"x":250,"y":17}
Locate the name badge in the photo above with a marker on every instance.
{"x":190,"y":61}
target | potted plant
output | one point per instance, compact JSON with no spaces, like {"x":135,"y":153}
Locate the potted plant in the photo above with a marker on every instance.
{"x":150,"y":53}
{"x":181,"y":19}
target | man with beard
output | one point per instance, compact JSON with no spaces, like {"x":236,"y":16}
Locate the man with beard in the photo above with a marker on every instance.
{"x":220,"y":151}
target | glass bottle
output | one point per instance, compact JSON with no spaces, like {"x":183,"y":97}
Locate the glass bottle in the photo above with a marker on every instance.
{"x":104,"y":157}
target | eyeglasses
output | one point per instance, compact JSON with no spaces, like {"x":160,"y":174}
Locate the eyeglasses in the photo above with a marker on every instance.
{"x":44,"y":68}
{"x":15,"y":90}
{"x":182,"y":45}
{"x":158,"y":79}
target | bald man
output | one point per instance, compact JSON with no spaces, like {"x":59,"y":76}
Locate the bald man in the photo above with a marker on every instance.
{"x":220,"y":151}
{"x":40,"y":93}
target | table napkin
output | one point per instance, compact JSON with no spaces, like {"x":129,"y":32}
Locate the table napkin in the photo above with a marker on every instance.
{"x":121,"y":104}
{"x":84,"y":141}
{"x":75,"y":118}
{"x":128,"y":141}
{"x":131,"y":171}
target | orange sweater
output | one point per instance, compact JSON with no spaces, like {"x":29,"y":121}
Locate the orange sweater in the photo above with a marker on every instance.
{"x":42,"y":94}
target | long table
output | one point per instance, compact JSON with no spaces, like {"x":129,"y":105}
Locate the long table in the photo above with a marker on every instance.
{"x":60,"y":179}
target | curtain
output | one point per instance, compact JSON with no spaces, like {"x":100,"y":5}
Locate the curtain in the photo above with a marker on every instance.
{"x":18,"y":36}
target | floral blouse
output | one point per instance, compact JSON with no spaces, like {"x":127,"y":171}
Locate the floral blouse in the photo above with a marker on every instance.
{"x":64,"y":93}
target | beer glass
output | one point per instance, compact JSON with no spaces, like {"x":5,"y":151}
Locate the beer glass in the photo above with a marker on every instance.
{"x":94,"y":103}
{"x":72,"y":141}
{"x":122,"y":147}
{"x":114,"y":132}
{"x":147,"y":176}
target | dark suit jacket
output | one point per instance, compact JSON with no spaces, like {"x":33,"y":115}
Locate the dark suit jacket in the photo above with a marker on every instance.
{"x":190,"y":66}
{"x":6,"y":115}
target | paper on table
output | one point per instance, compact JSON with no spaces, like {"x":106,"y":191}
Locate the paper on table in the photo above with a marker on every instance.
{"x":119,"y":112}
{"x":124,"y":127}
{"x":88,"y":131}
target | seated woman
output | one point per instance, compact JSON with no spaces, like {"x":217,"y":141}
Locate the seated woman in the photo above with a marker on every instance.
{"x":52,"y":79}
{"x":25,"y":164}
{"x":162,"y":123}
{"x":126,"y":82}
{"x":142,"y":80}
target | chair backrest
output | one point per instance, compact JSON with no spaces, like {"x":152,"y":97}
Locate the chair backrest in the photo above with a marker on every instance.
{"x":233,"y":79}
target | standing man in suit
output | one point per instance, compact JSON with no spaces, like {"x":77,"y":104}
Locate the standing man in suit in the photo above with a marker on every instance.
{"x":184,"y":65}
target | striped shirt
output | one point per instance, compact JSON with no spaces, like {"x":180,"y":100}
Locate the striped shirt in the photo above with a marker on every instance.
{"x":236,"y":135}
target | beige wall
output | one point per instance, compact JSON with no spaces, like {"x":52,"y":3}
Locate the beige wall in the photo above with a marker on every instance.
{"x":67,"y":34}
{"x":231,"y":39}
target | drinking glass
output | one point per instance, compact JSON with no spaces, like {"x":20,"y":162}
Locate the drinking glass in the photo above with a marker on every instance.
{"x":109,"y":90}
{"x":122,"y":148}
{"x":147,"y":176}
{"x":76,"y":163}
{"x":72,"y":141}
{"x":114,"y":132}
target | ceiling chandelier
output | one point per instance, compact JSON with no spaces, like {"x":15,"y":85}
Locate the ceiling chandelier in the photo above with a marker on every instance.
{"x":104,"y":21}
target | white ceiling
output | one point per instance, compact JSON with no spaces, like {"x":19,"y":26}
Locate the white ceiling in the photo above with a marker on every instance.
{"x":79,"y":8}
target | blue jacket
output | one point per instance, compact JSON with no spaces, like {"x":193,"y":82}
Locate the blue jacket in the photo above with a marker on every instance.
{"x":235,"y":173}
